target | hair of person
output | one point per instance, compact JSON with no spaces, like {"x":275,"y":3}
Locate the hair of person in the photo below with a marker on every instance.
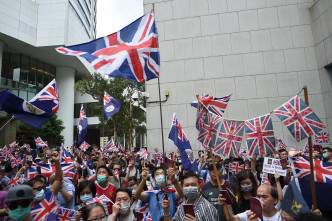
{"x":116,"y":162}
{"x":134,"y":178}
{"x":327,"y":148}
{"x":282,"y":150}
{"x":8,"y":167}
{"x":274,"y":192}
{"x":238,"y":160}
{"x":242,"y":175}
{"x":39,"y":176}
{"x":33,"y":181}
{"x":309,"y":217}
{"x":157,"y":168}
{"x":86,"y":212}
{"x":123,"y":189}
{"x":102,"y":167}
{"x":83,"y":185}
{"x":227,"y":161}
{"x":190,"y":175}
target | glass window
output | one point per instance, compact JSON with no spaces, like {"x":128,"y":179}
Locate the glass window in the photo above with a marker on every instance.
{"x":52,"y":73}
{"x":47,"y":74}
{"x":33,"y":71}
{"x":40,"y":75}
{"x":14,"y":65}
{"x":5,"y":65}
{"x":24,"y":69}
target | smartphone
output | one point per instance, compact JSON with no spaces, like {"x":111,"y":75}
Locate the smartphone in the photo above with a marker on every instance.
{"x":139,"y":216}
{"x":284,"y":164}
{"x":189,"y":209}
{"x":82,"y":209}
{"x":38,"y":170}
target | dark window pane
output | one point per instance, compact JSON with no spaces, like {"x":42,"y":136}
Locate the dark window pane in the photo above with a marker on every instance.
{"x":14,"y":65}
{"x":33,"y":71}
{"x":40,"y":73}
{"x":5,"y":65}
{"x":24,"y":69}
{"x":47,"y":74}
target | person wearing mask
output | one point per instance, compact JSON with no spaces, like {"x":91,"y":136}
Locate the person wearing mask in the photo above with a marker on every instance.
{"x":121,"y":210}
{"x":65,"y":195}
{"x":18,"y":202}
{"x":94,"y":211}
{"x":202,"y":208}
{"x":9,"y":172}
{"x":118,"y":181}
{"x":102,"y":185}
{"x":327,"y":154}
{"x":85,"y":192}
{"x":210,"y":190}
{"x":155,"y":197}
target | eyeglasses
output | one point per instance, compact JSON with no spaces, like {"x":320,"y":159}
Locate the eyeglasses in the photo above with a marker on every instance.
{"x":15,"y":204}
{"x":104,"y":218}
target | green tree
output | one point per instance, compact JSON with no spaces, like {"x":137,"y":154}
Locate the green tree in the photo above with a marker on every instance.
{"x":130,"y":120}
{"x":50,"y":131}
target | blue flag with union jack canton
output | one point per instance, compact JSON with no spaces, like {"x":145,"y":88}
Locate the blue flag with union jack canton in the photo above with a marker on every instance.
{"x":82,"y":126}
{"x":111,"y":106}
{"x":181,"y":141}
{"x":131,"y":53}
{"x":260,"y":135}
{"x":213,"y":104}
{"x":299,"y":118}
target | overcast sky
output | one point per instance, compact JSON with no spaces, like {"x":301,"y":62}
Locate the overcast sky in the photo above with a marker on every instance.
{"x":112,"y":15}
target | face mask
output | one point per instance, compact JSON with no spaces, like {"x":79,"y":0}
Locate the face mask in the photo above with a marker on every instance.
{"x":180,"y":161}
{"x":3,"y":168}
{"x":101,"y":179}
{"x":39,"y":196}
{"x":136,"y":164}
{"x":160,"y":180}
{"x":325,"y":155}
{"x":133,"y":193}
{"x":124,"y":208}
{"x":246,"y":188}
{"x":190,"y":192}
{"x":20,"y":213}
{"x":86,"y":197}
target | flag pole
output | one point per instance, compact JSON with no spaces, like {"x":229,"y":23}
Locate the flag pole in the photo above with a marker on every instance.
{"x":7,"y":123}
{"x":312,"y":178}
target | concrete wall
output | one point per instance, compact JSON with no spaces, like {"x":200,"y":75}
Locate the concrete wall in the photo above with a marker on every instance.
{"x":261,"y":51}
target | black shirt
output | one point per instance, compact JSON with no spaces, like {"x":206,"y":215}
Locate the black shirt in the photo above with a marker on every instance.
{"x":211,"y":193}
{"x":245,"y":205}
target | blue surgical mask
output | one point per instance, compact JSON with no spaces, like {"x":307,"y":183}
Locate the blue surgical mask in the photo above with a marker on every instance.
{"x":325,"y":155}
{"x":160,"y":180}
{"x":86,"y":197}
{"x":101,"y":178}
{"x":20,"y":213}
{"x":3,"y":168}
{"x":39,"y":196}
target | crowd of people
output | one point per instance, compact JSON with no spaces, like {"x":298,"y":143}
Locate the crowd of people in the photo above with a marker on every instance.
{"x":145,"y":189}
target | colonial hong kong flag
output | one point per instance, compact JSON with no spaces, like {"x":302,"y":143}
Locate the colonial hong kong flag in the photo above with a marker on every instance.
{"x":208,"y":133}
{"x":82,"y":126}
{"x":236,"y":167}
{"x":99,"y":199}
{"x":213,"y":104}
{"x":40,"y":143}
{"x":43,"y":209}
{"x":64,"y":155}
{"x":299,"y":118}
{"x":260,"y":135}
{"x":322,"y":137}
{"x":84,"y":146}
{"x":131,"y":53}
{"x":111,"y":106}
{"x":143,"y":153}
{"x":229,"y":138}
{"x":182,"y":142}
{"x":65,"y":214}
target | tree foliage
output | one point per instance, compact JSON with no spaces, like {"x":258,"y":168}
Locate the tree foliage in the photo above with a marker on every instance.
{"x":50,"y":131}
{"x":125,"y":123}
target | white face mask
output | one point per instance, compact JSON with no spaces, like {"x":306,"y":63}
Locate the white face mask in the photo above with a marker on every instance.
{"x":190,"y":192}
{"x":124,"y":208}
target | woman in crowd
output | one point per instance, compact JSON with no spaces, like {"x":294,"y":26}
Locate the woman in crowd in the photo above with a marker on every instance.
{"x":85,"y":192}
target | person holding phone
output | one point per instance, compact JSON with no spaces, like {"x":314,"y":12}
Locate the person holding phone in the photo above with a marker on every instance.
{"x":121,"y":209}
{"x":195,"y":207}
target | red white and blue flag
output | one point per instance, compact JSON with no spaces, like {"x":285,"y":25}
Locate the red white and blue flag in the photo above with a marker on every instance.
{"x":131,"y":53}
{"x":65,"y":214}
{"x":84,"y":146}
{"x":156,"y":150}
{"x":13,"y":144}
{"x":143,"y":153}
{"x":243,"y":154}
{"x":208,"y":133}
{"x":40,"y":143}
{"x":213,"y":104}
{"x":116,"y":174}
{"x":147,"y":217}
{"x":82,"y":126}
{"x":99,"y":199}
{"x":322,"y":137}
{"x":202,"y":112}
{"x":43,"y":209}
{"x":14,"y":181}
{"x":265,"y":180}
{"x":4,"y":151}
{"x":260,"y":136}
{"x":229,"y":138}
{"x":64,"y":155}
{"x":111,"y":106}
{"x":236,"y":167}
{"x":15,"y":162}
{"x":110,"y":146}
{"x":299,"y":118}
{"x":48,"y":98}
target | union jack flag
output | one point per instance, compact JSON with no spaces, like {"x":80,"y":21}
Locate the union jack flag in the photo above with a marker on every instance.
{"x":147,"y":217}
{"x":133,"y":149}
{"x":116,"y":174}
{"x":109,"y":146}
{"x":202,"y":112}
{"x":260,"y":135}
{"x":84,"y":146}
{"x":27,"y":147}
{"x":214,"y":105}
{"x":265,"y":180}
{"x":282,"y":145}
{"x":121,"y":148}
{"x":143,"y":153}
{"x":14,"y":181}
{"x":64,"y":155}
{"x":243,"y":154}
{"x":131,"y":53}
{"x":322,"y":137}
{"x":48,"y":98}
{"x":45,"y":207}
{"x":322,"y":170}
{"x":156,"y":150}
{"x":40,"y":143}
{"x":277,"y":162}
{"x":229,"y":138}
{"x":236,"y":167}
{"x":208,"y":133}
{"x":99,"y":199}
{"x":299,"y":118}
{"x":65,"y":214}
{"x":13,"y":145}
{"x":77,"y":150}
{"x":15,"y":162}
{"x":68,"y":171}
{"x":5,"y":151}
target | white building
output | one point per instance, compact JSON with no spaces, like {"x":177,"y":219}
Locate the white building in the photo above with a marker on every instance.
{"x":260,"y":51}
{"x":29,"y":32}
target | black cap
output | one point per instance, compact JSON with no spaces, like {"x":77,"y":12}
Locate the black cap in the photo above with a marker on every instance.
{"x":210,"y":165}
{"x":20,"y":192}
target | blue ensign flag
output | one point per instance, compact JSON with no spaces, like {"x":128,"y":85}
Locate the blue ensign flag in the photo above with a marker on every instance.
{"x":82,"y":126}
{"x":111,"y":106}
{"x":181,"y":141}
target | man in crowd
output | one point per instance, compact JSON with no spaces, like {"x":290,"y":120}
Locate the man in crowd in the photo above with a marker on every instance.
{"x":121,"y":208}
{"x":327,"y":154}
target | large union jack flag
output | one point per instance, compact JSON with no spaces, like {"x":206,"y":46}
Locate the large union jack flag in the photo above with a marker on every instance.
{"x":322,"y":170}
{"x":99,"y":199}
{"x":65,"y":214}
{"x":45,"y":207}
{"x":208,"y":133}
{"x":322,"y":137}
{"x":131,"y":53}
{"x":143,"y":153}
{"x":48,"y":98}
{"x":299,"y":118}
{"x":213,"y":104}
{"x":260,"y":135}
{"x":229,"y":138}
{"x":236,"y":167}
{"x":40,"y":143}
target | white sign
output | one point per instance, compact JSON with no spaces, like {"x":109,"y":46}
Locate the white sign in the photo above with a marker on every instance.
{"x":273,"y":166}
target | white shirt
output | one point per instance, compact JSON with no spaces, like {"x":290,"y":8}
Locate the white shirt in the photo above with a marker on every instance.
{"x":277,"y":217}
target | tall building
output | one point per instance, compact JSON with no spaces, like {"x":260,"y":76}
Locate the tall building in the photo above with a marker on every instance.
{"x":260,"y":51}
{"x":29,"y":32}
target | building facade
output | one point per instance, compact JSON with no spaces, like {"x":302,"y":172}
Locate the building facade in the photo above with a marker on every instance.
{"x":263,"y":52}
{"x":29,"y":32}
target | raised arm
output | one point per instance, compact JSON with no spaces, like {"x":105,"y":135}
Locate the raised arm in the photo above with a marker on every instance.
{"x":139,"y":191}
{"x":58,"y":173}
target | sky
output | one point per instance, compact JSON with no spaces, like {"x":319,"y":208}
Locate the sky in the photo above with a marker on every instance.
{"x":112,"y":15}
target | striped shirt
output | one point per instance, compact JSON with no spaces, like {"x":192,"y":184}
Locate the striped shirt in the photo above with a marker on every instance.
{"x":202,"y":208}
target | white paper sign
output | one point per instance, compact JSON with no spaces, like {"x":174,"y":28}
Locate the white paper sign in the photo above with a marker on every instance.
{"x":273,"y":166}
